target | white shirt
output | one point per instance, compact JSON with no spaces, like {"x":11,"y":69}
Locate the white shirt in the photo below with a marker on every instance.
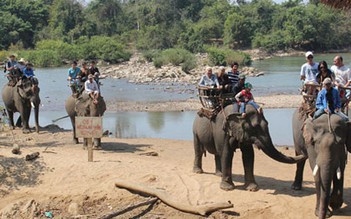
{"x":310,"y":72}
{"x":342,"y":74}
{"x":91,"y":86}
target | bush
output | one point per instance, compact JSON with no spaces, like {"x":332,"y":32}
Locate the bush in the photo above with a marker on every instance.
{"x":220,"y":56}
{"x":177,"y":57}
{"x":41,"y":58}
{"x":149,"y":55}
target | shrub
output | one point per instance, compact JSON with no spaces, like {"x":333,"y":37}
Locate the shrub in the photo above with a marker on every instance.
{"x":177,"y":57}
{"x":222,"y":56}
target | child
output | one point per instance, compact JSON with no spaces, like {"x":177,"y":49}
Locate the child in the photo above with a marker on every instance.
{"x":245,"y":97}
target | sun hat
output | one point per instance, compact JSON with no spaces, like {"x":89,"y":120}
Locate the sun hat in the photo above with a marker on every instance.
{"x":248,"y":85}
{"x":327,"y":81}
{"x":221,"y":67}
{"x":91,"y":76}
{"x":208,"y":68}
{"x":309,"y":53}
{"x":22,"y":60}
{"x":242,"y":76}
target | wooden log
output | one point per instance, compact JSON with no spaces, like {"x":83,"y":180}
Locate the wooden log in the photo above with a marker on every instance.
{"x":167,"y":199}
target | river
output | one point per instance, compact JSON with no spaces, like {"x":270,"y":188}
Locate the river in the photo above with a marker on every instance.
{"x":281,"y":77}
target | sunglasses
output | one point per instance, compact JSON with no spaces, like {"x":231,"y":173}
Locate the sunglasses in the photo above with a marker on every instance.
{"x":310,"y":57}
{"x":322,"y":67}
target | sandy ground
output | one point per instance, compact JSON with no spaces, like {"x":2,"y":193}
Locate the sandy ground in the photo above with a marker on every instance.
{"x":273,"y":101}
{"x":63,"y":183}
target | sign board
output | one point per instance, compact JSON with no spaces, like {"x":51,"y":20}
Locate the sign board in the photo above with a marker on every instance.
{"x":88,"y":127}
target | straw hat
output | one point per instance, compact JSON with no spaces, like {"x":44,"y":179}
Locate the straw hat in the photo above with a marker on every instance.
{"x":22,"y":61}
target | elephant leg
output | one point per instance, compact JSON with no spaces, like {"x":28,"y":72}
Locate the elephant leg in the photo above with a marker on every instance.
{"x":12,"y":124}
{"x":227,"y":162}
{"x":248,"y":158}
{"x":97,"y":143}
{"x":297,"y":184}
{"x":85,"y":143}
{"x":73,"y":121}
{"x":25,"y":120}
{"x":336,"y":199}
{"x":198,"y":156}
{"x":218,"y":170}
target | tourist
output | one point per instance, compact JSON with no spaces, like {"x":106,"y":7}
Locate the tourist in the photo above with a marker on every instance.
{"x":223,"y":80}
{"x":233,"y":75}
{"x":324,"y":72}
{"x":328,"y":101}
{"x":92,"y":88}
{"x":209,"y":79}
{"x":72,"y":77}
{"x":309,"y":70}
{"x":245,"y":97}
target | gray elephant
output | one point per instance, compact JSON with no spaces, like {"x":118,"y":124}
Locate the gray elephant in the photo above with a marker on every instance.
{"x":21,"y":98}
{"x":323,"y":140}
{"x":84,"y":106}
{"x":228,"y":131}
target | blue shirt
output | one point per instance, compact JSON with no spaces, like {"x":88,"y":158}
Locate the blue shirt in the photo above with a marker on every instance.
{"x":10,"y":64}
{"x":322,"y":102}
{"x":73,"y":73}
{"x":28,"y":72}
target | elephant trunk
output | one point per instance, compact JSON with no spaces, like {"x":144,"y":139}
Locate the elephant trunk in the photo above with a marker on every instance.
{"x":266,"y":145}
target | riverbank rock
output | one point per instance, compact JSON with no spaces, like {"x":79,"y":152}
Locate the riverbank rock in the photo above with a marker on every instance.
{"x":137,"y":70}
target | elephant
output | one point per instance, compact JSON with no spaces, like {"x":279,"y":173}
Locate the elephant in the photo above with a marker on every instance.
{"x":21,"y":98}
{"x":228,"y":131}
{"x":84,"y":106}
{"x":325,"y":141}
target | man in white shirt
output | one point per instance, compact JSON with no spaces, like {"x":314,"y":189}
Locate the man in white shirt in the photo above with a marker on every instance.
{"x":342,"y":73}
{"x":309,"y":70}
{"x":92,"y":88}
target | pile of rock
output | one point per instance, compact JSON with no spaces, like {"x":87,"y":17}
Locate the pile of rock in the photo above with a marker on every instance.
{"x":138,"y":70}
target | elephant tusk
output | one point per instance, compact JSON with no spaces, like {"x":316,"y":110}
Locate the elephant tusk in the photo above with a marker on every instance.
{"x":32,"y":104}
{"x":315,"y":170}
{"x":338,"y":173}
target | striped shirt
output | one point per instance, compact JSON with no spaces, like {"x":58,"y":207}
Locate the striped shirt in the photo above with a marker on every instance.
{"x":233,"y":77}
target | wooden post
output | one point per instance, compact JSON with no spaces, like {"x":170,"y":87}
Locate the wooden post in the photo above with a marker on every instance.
{"x":90,"y":150}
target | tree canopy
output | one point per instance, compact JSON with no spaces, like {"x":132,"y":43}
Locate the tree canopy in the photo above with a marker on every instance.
{"x":188,"y":24}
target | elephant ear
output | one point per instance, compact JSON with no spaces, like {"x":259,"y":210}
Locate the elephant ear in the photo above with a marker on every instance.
{"x":82,"y":105}
{"x":234,"y":125}
{"x":308,"y":132}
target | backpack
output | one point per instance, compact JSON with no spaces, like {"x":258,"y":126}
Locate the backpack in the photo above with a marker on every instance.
{"x":6,"y":64}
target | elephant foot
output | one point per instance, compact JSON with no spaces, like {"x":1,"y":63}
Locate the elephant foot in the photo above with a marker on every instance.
{"x":227,"y":186}
{"x":218,"y":173}
{"x":296,"y":186}
{"x":327,"y":215}
{"x":197,"y":170}
{"x":252,"y":186}
{"x":25,"y":131}
{"x":336,"y":202}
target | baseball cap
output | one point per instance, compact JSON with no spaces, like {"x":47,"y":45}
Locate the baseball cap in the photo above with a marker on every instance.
{"x":309,"y":53}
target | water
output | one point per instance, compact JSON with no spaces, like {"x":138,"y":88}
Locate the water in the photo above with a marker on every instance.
{"x":54,"y":90}
{"x":170,"y":125}
{"x":281,"y":76}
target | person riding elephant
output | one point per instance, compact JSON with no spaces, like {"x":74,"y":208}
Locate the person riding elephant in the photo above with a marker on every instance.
{"x":323,"y":140}
{"x":227,"y":132}
{"x":85,"y":106}
{"x":21,"y":98}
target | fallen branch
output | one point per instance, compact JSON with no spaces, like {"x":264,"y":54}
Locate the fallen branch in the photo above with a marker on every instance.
{"x":164,"y":197}
{"x":129,"y":208}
